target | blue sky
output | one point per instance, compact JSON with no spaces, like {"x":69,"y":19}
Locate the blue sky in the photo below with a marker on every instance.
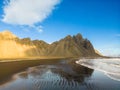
{"x":97,"y":20}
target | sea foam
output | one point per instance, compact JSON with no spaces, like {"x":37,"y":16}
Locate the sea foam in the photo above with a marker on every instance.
{"x":111,"y":66}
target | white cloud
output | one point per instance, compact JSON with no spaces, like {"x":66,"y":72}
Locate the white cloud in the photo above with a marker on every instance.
{"x":27,"y":12}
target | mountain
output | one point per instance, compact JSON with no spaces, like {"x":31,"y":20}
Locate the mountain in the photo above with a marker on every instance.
{"x":71,"y":46}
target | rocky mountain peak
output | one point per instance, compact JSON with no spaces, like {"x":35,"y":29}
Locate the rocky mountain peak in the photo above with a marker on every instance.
{"x":72,"y":46}
{"x":68,"y":37}
{"x":79,"y":36}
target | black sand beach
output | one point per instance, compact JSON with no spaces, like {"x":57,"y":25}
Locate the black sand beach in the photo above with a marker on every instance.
{"x":9,"y":68}
{"x":53,"y":74}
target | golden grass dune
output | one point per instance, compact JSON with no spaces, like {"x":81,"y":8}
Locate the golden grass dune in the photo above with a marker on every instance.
{"x":12,"y":49}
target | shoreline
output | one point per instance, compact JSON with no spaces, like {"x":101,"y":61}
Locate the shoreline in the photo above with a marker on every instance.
{"x":44,"y":58}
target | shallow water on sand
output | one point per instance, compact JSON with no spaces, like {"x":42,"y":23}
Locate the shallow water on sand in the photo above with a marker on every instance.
{"x":61,"y":76}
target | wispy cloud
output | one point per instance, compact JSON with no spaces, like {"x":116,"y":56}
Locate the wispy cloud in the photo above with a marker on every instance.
{"x":27,"y":12}
{"x":39,"y":29}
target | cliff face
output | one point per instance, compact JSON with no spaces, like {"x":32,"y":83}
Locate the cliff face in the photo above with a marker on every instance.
{"x":13,"y":47}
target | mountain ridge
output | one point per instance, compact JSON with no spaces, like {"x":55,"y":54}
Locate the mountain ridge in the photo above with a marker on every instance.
{"x":12,"y":46}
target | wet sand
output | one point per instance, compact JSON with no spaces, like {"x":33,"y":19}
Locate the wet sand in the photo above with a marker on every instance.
{"x":62,"y":74}
{"x":49,"y":75}
{"x":10,"y":67}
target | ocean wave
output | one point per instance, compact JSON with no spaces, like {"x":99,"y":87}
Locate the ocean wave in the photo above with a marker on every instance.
{"x":111,"y":67}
